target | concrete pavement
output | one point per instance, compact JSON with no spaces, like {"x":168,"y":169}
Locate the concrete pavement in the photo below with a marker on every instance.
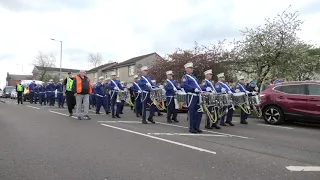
{"x":44,"y":143}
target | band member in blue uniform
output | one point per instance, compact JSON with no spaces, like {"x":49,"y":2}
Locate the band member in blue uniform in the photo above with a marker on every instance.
{"x":100,"y":96}
{"x":192,"y":88}
{"x":31,"y":87}
{"x":156,"y":109}
{"x":114,"y":87}
{"x":36,"y":93}
{"x":241,"y":87}
{"x":171,"y":88}
{"x":137,"y":96}
{"x":222,"y":87}
{"x":51,"y":89}
{"x":60,"y":96}
{"x":207,"y":85}
{"x":107,"y":99}
{"x":42,"y":92}
{"x":146,"y":86}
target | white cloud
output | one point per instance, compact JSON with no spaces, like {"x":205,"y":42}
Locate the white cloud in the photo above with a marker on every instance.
{"x":123,"y":29}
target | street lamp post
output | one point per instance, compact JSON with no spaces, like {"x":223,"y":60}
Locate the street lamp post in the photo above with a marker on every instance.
{"x":60,"y":55}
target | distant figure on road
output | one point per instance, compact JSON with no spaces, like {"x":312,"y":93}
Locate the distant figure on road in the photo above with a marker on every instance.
{"x":19,"y":89}
{"x":82,"y":89}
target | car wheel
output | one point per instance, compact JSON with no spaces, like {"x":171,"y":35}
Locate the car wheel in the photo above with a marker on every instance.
{"x":273,"y":115}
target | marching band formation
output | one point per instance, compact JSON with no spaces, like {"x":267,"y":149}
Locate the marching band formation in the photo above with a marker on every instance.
{"x":216,"y":100}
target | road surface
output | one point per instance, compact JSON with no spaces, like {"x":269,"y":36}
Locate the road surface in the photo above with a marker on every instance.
{"x":43,"y":143}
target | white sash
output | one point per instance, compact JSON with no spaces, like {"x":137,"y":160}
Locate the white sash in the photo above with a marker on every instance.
{"x":242,"y":87}
{"x":213,"y":89}
{"x":224,"y":85}
{"x":146,"y":79}
{"x":171,"y":83}
{"x":137,"y":85}
{"x":115,"y":83}
{"x":194,"y":81}
{"x":176,"y":103}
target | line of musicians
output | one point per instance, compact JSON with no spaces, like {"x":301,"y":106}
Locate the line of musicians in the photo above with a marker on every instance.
{"x":106,"y":93}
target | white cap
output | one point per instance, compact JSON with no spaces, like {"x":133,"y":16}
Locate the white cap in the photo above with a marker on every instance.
{"x":188,"y":65}
{"x":122,"y":82}
{"x":153,"y":81}
{"x":101,"y":78}
{"x":108,"y":78}
{"x":208,"y":72}
{"x":61,"y":79}
{"x":144,"y":68}
{"x":51,"y":80}
{"x":169,"y":72}
{"x":113,"y":74}
{"x":220,"y":75}
{"x":135,"y":76}
{"x":240,"y":77}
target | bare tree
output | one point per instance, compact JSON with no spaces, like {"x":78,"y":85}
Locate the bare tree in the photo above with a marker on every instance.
{"x":44,"y":61}
{"x":95,"y":60}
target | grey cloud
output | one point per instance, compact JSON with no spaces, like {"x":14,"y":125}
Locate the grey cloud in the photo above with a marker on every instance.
{"x":44,"y":5}
{"x":75,"y":55}
{"x":311,"y":7}
{"x":6,"y":56}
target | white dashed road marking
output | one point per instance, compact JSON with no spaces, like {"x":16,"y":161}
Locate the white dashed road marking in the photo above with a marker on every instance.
{"x":62,"y":114}
{"x":187,"y":134}
{"x":303,"y":168}
{"x":160,"y":139}
{"x":275,"y":126}
{"x":33,"y":107}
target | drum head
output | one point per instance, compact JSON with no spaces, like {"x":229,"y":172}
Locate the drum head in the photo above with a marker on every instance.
{"x":239,"y":94}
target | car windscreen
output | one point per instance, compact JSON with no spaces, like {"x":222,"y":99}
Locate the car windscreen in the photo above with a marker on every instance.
{"x":9,"y":89}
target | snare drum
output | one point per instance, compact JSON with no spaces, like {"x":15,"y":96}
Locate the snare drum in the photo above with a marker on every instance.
{"x":224,"y":100}
{"x":156,"y":93}
{"x":239,"y":98}
{"x":205,"y":98}
{"x":254,"y":100}
{"x":213,"y":99}
{"x":181,"y":97}
{"x":122,"y":95}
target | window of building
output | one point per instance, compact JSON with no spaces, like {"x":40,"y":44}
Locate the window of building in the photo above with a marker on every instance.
{"x":314,"y":89}
{"x":95,"y":75}
{"x":118,"y":73}
{"x":131,"y":70}
{"x":106,"y":76}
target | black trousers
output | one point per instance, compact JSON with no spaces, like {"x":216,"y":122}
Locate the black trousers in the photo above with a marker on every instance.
{"x":71,"y":101}
{"x":19,"y":94}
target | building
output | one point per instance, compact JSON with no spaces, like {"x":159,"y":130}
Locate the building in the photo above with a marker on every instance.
{"x":12,"y":79}
{"x":46,"y":73}
{"x":94,"y":73}
{"x":127,"y":69}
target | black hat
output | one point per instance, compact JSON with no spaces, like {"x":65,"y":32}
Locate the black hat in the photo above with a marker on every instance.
{"x":69,"y":72}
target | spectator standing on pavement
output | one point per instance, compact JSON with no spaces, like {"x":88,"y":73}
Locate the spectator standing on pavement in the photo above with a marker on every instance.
{"x":265,"y":85}
{"x":252,"y":87}
{"x":82,"y":88}
{"x":67,"y":89}
{"x":20,"y":90}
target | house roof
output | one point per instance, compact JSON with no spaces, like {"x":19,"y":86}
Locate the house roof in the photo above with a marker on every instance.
{"x":133,"y":60}
{"x":18,"y":77}
{"x":102,"y":67}
{"x":40,"y":68}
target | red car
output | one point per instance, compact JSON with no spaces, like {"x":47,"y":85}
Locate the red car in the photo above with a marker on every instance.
{"x":291,"y":101}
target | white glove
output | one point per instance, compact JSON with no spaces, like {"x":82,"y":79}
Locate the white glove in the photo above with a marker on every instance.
{"x":182,"y":90}
{"x":175,"y":89}
{"x":116,"y":88}
{"x":247,"y":92}
{"x":139,"y":91}
{"x":237,"y":90}
{"x":230,"y":92}
{"x":223,"y":90}
{"x":256,"y":88}
{"x":196,"y":90}
{"x":149,"y":85}
{"x":254,"y":93}
{"x":209,"y":89}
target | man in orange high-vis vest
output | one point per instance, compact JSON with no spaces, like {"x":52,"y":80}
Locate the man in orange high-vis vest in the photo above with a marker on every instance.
{"x":82,"y":89}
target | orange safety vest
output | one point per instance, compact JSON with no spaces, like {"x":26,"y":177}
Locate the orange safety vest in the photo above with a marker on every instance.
{"x":79,"y":85}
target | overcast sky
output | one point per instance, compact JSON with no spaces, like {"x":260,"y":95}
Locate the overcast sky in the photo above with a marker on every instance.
{"x":121,"y":29}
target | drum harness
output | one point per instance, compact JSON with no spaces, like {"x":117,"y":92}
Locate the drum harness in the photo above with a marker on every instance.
{"x":154,"y":101}
{"x":245,"y":109}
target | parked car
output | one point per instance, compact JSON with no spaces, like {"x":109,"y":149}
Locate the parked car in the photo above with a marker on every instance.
{"x":13,"y":94}
{"x":1,"y":93}
{"x":299,"y":101}
{"x":7,"y":91}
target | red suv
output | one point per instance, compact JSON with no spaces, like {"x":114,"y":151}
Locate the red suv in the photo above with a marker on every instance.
{"x":292,"y":100}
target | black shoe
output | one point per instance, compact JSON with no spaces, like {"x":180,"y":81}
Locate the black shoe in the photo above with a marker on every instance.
{"x":78,"y":118}
{"x":62,"y":106}
{"x":160,"y":114}
{"x":175,"y":120}
{"x":118,"y":116}
{"x":144,"y":122}
{"x":59,"y":106}
{"x":137,"y":115}
{"x":169,"y":121}
{"x":113,"y":116}
{"x":244,"y":122}
{"x":107,"y":113}
{"x":70,"y":115}
{"x":151,"y":120}
{"x":230,"y":123}
{"x":208,"y":127}
{"x":199,"y":130}
{"x":97,"y":113}
{"x":193,"y":131}
{"x":215,"y":126}
{"x":86,"y":117}
{"x":121,"y":113}
{"x":223,"y":124}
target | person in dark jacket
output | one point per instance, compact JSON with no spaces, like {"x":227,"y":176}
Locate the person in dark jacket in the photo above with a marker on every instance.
{"x":82,"y":89}
{"x":19,"y":89}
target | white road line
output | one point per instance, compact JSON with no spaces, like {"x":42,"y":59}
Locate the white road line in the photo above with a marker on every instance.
{"x":62,"y":114}
{"x":136,"y":122}
{"x":161,"y":139}
{"x":276,"y":126}
{"x":303,"y":168}
{"x":231,"y":135}
{"x":187,"y":134}
{"x":33,"y":107}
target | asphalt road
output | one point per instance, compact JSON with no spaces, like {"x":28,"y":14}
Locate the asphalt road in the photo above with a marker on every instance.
{"x":43,"y":143}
